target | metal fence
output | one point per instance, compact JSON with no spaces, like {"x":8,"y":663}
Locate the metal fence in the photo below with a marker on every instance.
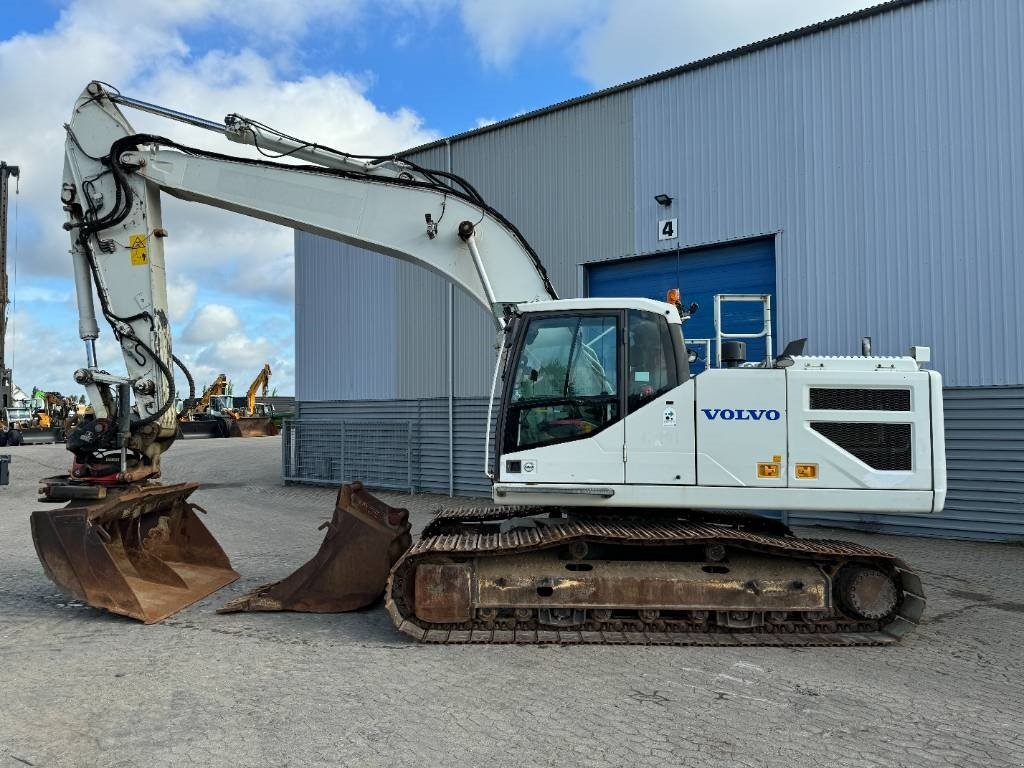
{"x":378,"y":452}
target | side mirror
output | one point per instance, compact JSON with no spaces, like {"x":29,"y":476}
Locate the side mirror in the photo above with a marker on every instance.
{"x":691,"y":354}
{"x":693,"y":308}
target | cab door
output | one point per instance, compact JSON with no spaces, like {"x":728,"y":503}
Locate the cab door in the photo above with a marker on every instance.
{"x":660,"y":440}
{"x":562,"y":415}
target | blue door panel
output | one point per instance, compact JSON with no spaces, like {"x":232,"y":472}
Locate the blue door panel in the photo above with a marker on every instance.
{"x":699,"y":274}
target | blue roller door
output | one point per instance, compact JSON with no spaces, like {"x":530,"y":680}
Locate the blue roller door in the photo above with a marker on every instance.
{"x":747,"y":267}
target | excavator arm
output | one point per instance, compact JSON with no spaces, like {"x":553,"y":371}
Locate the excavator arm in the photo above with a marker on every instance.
{"x":217,"y":388}
{"x":261,"y":382}
{"x":134,"y":546}
{"x":113,"y":181}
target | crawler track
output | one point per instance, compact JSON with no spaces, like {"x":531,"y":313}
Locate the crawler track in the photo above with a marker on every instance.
{"x":466,"y":534}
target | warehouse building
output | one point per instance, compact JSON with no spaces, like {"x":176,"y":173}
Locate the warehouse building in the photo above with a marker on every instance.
{"x":867,"y":173}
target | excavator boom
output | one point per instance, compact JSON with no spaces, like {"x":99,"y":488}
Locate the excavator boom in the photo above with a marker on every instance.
{"x":113,"y":181}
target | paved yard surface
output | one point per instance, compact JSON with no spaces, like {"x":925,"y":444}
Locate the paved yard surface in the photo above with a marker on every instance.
{"x":80,"y":687}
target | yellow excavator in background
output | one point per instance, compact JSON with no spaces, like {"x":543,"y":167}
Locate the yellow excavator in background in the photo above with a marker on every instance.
{"x":196,"y":419}
{"x":254,"y":419}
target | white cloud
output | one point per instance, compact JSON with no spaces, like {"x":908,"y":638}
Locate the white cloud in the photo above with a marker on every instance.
{"x":482,"y":122}
{"x":611,"y":41}
{"x":181,"y":294}
{"x":211,"y":322}
{"x":502,"y":30}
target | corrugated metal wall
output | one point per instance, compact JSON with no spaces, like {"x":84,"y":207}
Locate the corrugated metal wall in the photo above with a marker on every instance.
{"x":887,"y":153}
{"x":884,"y":155}
{"x":430,"y":455}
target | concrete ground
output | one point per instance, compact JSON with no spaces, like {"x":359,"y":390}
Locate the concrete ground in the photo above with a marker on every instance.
{"x":81,"y":687}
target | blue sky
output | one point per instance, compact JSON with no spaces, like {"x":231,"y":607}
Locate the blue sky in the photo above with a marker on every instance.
{"x":360,"y":75}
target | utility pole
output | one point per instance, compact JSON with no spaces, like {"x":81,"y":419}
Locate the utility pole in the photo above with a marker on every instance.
{"x":6,"y":381}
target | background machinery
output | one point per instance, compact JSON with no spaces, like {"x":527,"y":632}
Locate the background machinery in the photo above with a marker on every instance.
{"x":200,"y":418}
{"x":253,"y":418}
{"x":626,"y":490}
{"x":44,"y":418}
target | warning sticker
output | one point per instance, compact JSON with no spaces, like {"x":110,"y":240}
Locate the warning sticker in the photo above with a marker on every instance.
{"x":668,"y":418}
{"x":138,"y":245}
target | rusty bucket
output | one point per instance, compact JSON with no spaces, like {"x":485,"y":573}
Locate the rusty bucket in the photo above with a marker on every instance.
{"x":252,"y":426}
{"x":365,"y":537}
{"x":142,"y":551}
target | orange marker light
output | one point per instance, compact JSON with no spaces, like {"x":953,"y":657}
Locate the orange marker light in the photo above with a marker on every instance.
{"x":673,"y":296}
{"x":806,"y":471}
{"x":768,"y":471}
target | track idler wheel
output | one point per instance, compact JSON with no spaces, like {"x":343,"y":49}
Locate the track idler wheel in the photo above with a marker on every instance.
{"x":867,"y":593}
{"x":365,"y":537}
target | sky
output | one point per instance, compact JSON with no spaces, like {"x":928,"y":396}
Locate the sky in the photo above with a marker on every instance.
{"x":366,"y":76}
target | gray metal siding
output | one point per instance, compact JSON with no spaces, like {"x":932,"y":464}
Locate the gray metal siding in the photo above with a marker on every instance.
{"x":889,"y":155}
{"x":430,"y":453}
{"x":345,"y":339}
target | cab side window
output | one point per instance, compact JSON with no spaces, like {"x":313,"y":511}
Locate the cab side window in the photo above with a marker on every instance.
{"x":652,"y":363}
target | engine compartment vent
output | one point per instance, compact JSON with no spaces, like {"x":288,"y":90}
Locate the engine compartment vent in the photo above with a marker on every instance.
{"x":880,"y":446}
{"x":834,"y":399}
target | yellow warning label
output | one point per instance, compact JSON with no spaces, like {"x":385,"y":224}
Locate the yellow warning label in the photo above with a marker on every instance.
{"x":138,"y":245}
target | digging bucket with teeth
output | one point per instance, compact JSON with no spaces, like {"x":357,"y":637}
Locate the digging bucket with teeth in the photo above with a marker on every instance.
{"x":140,"y":551}
{"x":365,"y":537}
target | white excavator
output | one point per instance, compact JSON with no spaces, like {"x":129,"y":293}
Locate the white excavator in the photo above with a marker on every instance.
{"x":626,"y":492}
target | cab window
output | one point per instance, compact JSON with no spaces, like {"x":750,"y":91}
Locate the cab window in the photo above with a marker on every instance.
{"x":566,"y":381}
{"x":652,"y":363}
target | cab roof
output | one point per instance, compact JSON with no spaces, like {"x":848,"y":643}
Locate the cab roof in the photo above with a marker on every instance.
{"x":564,"y":305}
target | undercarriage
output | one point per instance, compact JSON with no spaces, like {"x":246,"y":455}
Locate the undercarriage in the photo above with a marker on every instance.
{"x":536,"y":575}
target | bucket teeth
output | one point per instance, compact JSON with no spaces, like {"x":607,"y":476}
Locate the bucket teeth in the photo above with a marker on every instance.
{"x":365,"y":537}
{"x":141,"y":552}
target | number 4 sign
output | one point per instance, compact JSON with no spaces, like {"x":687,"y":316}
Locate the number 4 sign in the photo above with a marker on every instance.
{"x":668,"y":229}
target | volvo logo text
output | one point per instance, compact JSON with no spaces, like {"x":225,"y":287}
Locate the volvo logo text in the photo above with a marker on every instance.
{"x":741,"y":414}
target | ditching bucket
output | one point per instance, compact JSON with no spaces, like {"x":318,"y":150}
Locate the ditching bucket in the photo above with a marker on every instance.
{"x":365,"y":537}
{"x":141,"y":551}
{"x":252,"y":426}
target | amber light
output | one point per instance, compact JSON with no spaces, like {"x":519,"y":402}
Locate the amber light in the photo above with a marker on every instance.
{"x":768,"y":470}
{"x":806,"y":471}
{"x":673,"y":296}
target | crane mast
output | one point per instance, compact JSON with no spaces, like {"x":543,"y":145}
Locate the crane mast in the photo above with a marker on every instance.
{"x":6,"y":380}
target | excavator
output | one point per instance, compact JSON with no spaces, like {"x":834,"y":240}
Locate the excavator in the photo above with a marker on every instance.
{"x":254,"y":419}
{"x":627,"y":494}
{"x":196,"y":419}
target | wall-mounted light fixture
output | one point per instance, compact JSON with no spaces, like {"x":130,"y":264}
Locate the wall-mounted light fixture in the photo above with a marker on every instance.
{"x":663,"y":199}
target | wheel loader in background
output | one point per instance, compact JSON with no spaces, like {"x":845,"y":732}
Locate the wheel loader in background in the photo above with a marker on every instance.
{"x":626,"y":491}
{"x":44,"y":419}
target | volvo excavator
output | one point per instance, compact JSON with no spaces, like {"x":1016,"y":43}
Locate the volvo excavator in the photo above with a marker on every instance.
{"x":626,"y":492}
